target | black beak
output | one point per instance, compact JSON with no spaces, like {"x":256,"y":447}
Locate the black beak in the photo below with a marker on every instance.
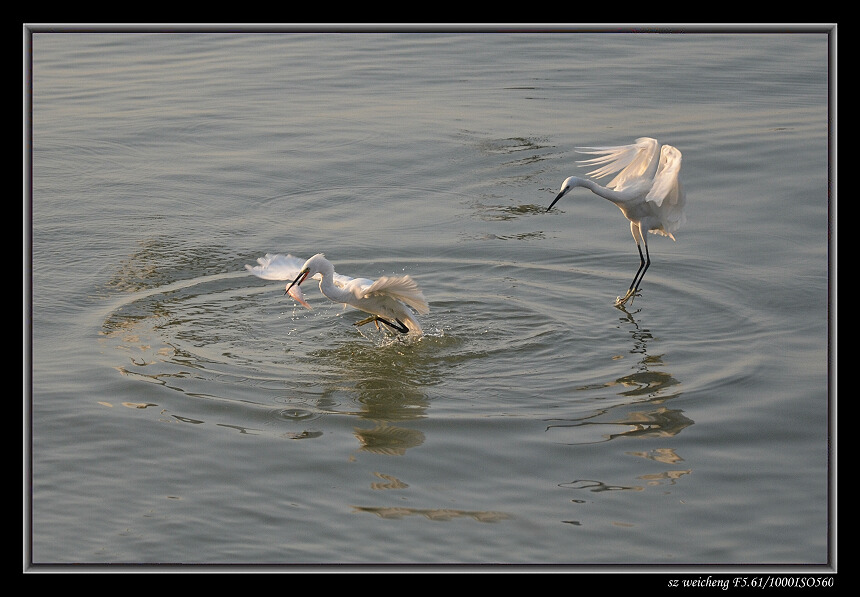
{"x":557,"y":197}
{"x":299,"y":279}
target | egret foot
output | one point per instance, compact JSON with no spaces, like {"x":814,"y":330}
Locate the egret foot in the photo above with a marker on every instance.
{"x":631,"y":294}
{"x":376,"y":319}
{"x":372,"y":318}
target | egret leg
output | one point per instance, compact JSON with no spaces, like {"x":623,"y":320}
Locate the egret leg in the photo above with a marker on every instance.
{"x":377,"y":319}
{"x":644,"y":263}
{"x":398,"y":326}
{"x":372,"y":318}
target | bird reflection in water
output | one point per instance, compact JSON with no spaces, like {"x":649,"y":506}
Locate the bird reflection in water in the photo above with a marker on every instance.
{"x":388,"y":439}
{"x":645,"y":417}
{"x":381,"y":385}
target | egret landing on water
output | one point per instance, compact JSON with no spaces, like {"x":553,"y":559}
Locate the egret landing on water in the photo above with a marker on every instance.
{"x":647,"y":190}
{"x":389,"y":299}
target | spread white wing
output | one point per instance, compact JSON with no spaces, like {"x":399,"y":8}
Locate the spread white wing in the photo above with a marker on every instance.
{"x":287,"y":267}
{"x":277,"y":267}
{"x":658,"y":179}
{"x":634,"y":162}
{"x":402,"y":288}
{"x":667,"y":193}
{"x":281,"y":267}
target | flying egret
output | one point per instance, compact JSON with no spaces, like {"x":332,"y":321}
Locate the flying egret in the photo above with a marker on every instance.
{"x":387,"y":299}
{"x":647,"y":190}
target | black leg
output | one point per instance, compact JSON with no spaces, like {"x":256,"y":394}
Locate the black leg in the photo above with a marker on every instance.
{"x":376,"y":319}
{"x":646,"y":262}
{"x":634,"y":284}
{"x":397,"y":326}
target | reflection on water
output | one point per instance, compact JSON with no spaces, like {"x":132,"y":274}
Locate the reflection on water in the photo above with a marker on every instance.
{"x":510,"y":145}
{"x":380,"y":382}
{"x":644,"y":382}
{"x":384,"y":383}
{"x":491,"y":212}
{"x":667,"y":477}
{"x":148,"y":214}
{"x":487,"y":210}
{"x":665,"y":455}
{"x":640,"y":418}
{"x":435,"y":514}
{"x":525,"y":152}
{"x":173,"y":334}
{"x":660,"y":422}
{"x":651,"y":479}
{"x":377,"y":384}
{"x":646,"y":416}
{"x":388,"y":439}
{"x":597,"y":486}
{"x":492,"y":204}
{"x":140,"y":405}
{"x":390,"y":482}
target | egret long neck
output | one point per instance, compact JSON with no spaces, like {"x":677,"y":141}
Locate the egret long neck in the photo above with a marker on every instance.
{"x":331,"y":290}
{"x":617,"y":197}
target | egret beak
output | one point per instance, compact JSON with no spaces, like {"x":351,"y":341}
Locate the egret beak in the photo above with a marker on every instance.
{"x":557,"y":197}
{"x":299,"y":279}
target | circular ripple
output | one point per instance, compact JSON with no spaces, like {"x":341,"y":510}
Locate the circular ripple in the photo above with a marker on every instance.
{"x":292,"y":415}
{"x":509,"y":335}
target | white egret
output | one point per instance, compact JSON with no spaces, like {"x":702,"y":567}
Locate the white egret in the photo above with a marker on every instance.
{"x":647,"y":190}
{"x":389,"y":299}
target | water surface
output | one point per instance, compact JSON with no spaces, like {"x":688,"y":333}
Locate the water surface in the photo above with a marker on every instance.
{"x":183,"y":411}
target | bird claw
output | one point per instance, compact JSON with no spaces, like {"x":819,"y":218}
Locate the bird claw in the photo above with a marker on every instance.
{"x":368,"y":320}
{"x":622,"y":301}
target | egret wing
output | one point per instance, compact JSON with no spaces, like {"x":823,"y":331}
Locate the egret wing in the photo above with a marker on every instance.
{"x":351,"y":283}
{"x":667,"y":193}
{"x":281,"y":267}
{"x":277,"y":267}
{"x":666,"y":180}
{"x":402,"y":288}
{"x":632,"y":162}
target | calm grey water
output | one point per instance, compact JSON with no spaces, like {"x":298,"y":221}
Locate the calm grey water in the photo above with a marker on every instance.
{"x":184,"y":411}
